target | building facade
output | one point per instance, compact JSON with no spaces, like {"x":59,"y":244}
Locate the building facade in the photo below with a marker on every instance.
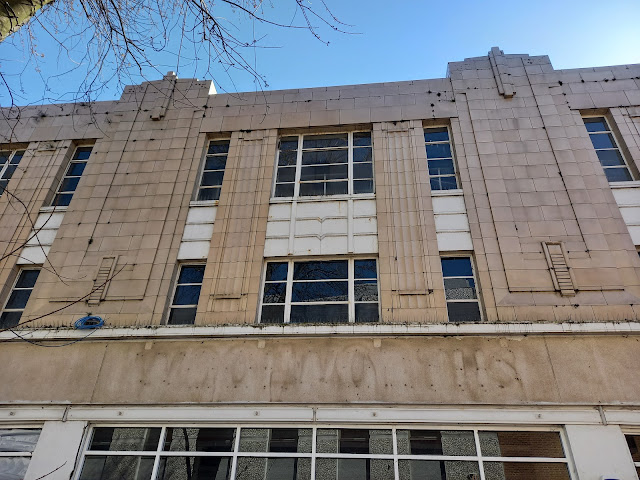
{"x":434,"y":279}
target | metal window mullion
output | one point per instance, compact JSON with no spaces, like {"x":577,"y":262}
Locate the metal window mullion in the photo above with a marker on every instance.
{"x":313,"y":450}
{"x":394,"y":440}
{"x":476,"y":437}
{"x":351,"y":288}
{"x":289,"y":290}
{"x":350,"y":188}
{"x":296,"y":185}
{"x":15,"y":454}
{"x":234,"y":454}
{"x":156,"y":460}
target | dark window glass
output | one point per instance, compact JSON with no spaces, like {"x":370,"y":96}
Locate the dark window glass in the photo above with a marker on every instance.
{"x":366,"y":290}
{"x":186,"y":295}
{"x":439,"y":470}
{"x":10,"y":319}
{"x":441,"y":167}
{"x":17,"y":157}
{"x":191,"y":274}
{"x":18,"y":299}
{"x":218,"y":146}
{"x":324,"y":172}
{"x":215,"y":163}
{"x":97,"y":467}
{"x":617,"y":174}
{"x":288,"y":158}
{"x":330,"y":313}
{"x":438,"y":150}
{"x":8,"y":173}
{"x":274,"y":292}
{"x":283,"y":440}
{"x":363,"y":170}
{"x":336,"y":269}
{"x":456,"y":267}
{"x":284,"y":190}
{"x":440,"y":134}
{"x":595,"y":125}
{"x":633,"y":441}
{"x":286,"y":174}
{"x":76,"y":169}
{"x":443,"y":183}
{"x":602,"y":140}
{"x":367,"y":312}
{"x":464,"y":312}
{"x":320,"y":291}
{"x":336,"y":188}
{"x":363,"y":186}
{"x":69,"y":184}
{"x":62,"y":199}
{"x":125,"y":439}
{"x":365,"y":269}
{"x":436,"y":442}
{"x":182,"y":316}
{"x":361,"y":139}
{"x":362,"y":155}
{"x":276,"y":271}
{"x":27,"y":278}
{"x":610,"y":158}
{"x":82,"y":153}
{"x":187,"y":439}
{"x":213,"y":178}
{"x":325,"y":157}
{"x":354,"y":441}
{"x":194,"y":468}
{"x":289,"y":143}
{"x":209,"y":194}
{"x":272,"y":314}
{"x":325,"y":141}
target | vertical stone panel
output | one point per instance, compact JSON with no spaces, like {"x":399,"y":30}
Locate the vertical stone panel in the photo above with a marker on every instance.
{"x":232,"y":277}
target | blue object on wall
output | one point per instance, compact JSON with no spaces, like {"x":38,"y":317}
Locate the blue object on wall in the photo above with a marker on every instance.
{"x":90,"y":321}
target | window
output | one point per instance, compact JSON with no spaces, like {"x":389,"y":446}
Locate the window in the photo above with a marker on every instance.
{"x":16,"y":447}
{"x":8,"y":163}
{"x":460,"y":289}
{"x":213,"y":172}
{"x":185,"y":299}
{"x":18,"y":298}
{"x":328,"y":164}
{"x":442,"y":167}
{"x":327,"y":453}
{"x":634,"y":447}
{"x":330,"y":291}
{"x":71,"y":178}
{"x":611,"y":158}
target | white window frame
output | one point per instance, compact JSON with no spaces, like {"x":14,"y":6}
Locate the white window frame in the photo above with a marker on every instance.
{"x":65,"y":176}
{"x":175,"y":288}
{"x":350,"y":163}
{"x":290,"y":267}
{"x":456,"y":172}
{"x":632,"y":432}
{"x":202,"y":171}
{"x":617,"y":142}
{"x":14,"y":287}
{"x":22,"y":454}
{"x":395,"y":457}
{"x":478,"y":299}
{"x":5,"y":167}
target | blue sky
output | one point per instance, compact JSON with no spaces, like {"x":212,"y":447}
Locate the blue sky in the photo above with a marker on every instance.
{"x":394,"y":41}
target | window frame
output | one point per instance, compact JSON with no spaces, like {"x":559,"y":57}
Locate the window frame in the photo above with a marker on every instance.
{"x":299,"y":151}
{"x":73,"y":160}
{"x":202,"y":170}
{"x":5,"y":166}
{"x":351,"y":302}
{"x":175,"y":288}
{"x":478,"y":298}
{"x":456,"y":170}
{"x":14,"y":287}
{"x":618,"y":146}
{"x":235,"y":453}
{"x":21,"y":454}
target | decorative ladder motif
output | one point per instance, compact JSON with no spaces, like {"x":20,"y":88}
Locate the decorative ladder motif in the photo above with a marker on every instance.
{"x":560,"y":273}
{"x":105,"y":271}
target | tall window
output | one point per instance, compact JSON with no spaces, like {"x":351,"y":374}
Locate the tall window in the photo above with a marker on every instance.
{"x":328,"y":164}
{"x":633,"y":441}
{"x":185,"y":298}
{"x":16,"y":447}
{"x":328,"y":452}
{"x":460,"y":290}
{"x":72,"y":176}
{"x":9,"y":161}
{"x":442,"y":168}
{"x":18,"y":298}
{"x":604,"y":141}
{"x":213,"y":172}
{"x":331,"y":291}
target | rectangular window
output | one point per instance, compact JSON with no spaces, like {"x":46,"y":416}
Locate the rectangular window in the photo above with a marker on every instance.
{"x":327,"y":164}
{"x":213,"y":171}
{"x":275,"y":453}
{"x":18,"y":298}
{"x":185,"y":298}
{"x":329,"y":291}
{"x":460,"y":289}
{"x":72,"y":176}
{"x":9,"y":161}
{"x":16,"y":448}
{"x":440,"y":161}
{"x":604,"y":141}
{"x":634,"y":448}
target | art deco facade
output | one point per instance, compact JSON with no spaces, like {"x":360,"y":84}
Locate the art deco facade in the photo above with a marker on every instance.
{"x":434,"y":279}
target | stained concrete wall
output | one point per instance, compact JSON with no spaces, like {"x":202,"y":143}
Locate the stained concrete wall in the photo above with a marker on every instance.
{"x":408,"y":370}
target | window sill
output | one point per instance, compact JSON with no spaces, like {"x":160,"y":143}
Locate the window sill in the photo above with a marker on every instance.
{"x":53,"y":209}
{"x":631,"y":184}
{"x":324,"y":198}
{"x":204,"y":203}
{"x":454,"y":192}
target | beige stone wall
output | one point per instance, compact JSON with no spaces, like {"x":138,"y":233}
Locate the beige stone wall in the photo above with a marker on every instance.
{"x":578,"y":370}
{"x":528,"y":173}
